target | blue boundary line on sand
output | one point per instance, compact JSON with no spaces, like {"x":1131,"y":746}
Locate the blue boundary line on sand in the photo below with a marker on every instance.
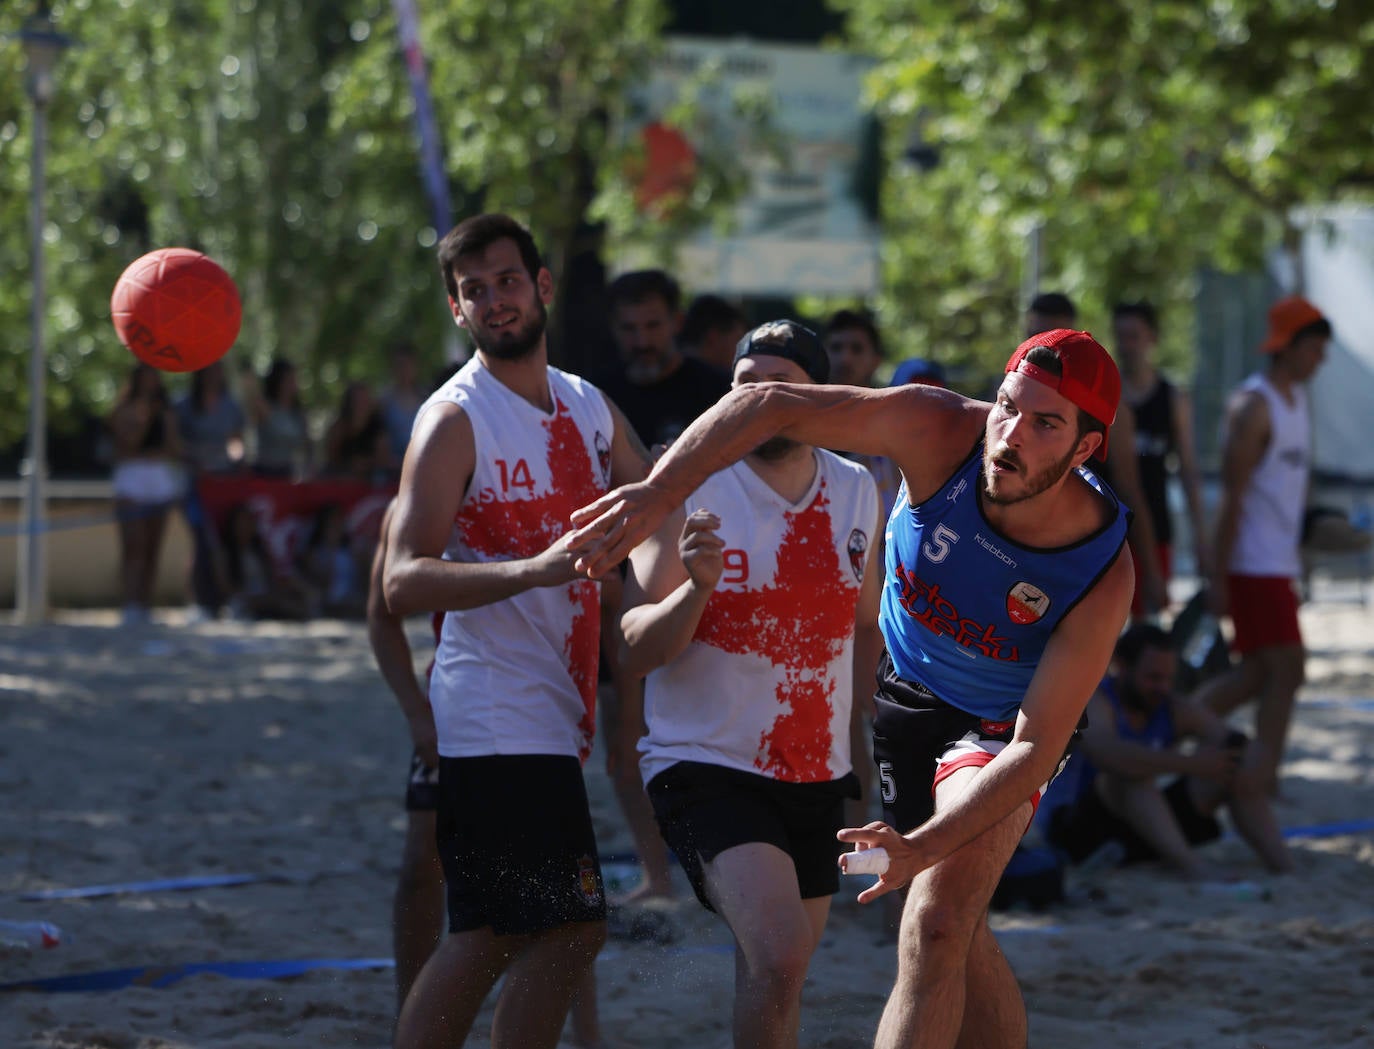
{"x":195,"y":881}
{"x":158,"y":976}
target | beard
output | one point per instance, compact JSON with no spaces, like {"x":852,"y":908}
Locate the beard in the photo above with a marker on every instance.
{"x":516,"y":342}
{"x":775,"y":448}
{"x":1046,"y":478}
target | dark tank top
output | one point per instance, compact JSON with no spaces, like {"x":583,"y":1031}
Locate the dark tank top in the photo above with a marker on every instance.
{"x":1154,"y":443}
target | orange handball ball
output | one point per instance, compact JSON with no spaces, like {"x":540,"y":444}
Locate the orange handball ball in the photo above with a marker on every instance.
{"x":176,"y":309}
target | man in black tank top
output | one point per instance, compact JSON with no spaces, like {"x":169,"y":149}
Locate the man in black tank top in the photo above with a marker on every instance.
{"x":1164,"y":433}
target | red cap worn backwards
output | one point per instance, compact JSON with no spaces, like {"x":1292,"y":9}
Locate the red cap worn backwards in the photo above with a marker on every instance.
{"x":1089,"y":377}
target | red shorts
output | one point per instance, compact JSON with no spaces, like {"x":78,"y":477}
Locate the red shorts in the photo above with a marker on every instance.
{"x":1165,"y":554}
{"x":1264,"y":612}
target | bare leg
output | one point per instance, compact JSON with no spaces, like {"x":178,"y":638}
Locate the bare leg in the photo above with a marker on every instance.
{"x":937,"y":971}
{"x":417,"y":912}
{"x":1000,"y":1017}
{"x":586,"y":1020}
{"x":649,"y":844}
{"x":446,"y":996}
{"x":754,"y":888}
{"x":1251,"y":811}
{"x":154,"y":526}
{"x":1283,"y":676}
{"x":539,"y":986}
{"x":1140,"y":803}
{"x":1236,"y":687}
{"x":129,"y":551}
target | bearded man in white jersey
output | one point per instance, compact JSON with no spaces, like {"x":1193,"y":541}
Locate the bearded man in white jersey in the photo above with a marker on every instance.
{"x":500,"y":456}
{"x":755,"y":617}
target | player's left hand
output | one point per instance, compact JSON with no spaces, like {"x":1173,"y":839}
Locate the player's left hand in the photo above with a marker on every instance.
{"x":904,"y":861}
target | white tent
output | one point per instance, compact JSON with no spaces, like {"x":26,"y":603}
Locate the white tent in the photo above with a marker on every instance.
{"x":1338,"y":270}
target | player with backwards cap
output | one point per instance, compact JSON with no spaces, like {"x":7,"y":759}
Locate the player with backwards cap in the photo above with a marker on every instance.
{"x":1006,"y":586}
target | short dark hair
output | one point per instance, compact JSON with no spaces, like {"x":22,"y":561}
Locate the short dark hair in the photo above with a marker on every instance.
{"x":854,"y":320}
{"x":1143,"y":311}
{"x":709,"y":313}
{"x":1046,"y":359}
{"x":1138,"y":638}
{"x":476,"y":234}
{"x":1054,"y":303}
{"x":641,"y":285}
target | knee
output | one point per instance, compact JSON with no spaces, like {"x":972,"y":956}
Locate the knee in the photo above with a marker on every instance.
{"x":934,"y":937}
{"x":777,"y":965}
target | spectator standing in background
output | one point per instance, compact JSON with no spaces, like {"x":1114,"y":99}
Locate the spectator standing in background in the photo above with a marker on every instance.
{"x":356,"y":445}
{"x":279,"y":424}
{"x":148,"y":479}
{"x":401,"y":399}
{"x":1054,"y":309}
{"x":1266,"y":462}
{"x":211,"y":422}
{"x":1163,"y":435}
{"x":710,"y":329}
{"x":659,"y":390}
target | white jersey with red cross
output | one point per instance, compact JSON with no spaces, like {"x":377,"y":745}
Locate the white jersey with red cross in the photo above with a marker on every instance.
{"x":765,"y":685}
{"x":519,"y":676}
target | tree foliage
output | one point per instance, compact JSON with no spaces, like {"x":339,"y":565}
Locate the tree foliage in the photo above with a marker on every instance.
{"x":1144,"y":140}
{"x":277,"y":136}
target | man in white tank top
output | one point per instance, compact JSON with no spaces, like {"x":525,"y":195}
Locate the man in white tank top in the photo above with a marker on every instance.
{"x":1266,"y":462}
{"x":500,"y":456}
{"x":755,"y":618}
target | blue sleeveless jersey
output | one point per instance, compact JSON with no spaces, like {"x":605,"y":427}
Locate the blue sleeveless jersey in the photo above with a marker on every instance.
{"x":967,"y":612}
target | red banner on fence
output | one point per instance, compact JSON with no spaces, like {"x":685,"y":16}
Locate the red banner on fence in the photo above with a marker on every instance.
{"x":286,"y":510}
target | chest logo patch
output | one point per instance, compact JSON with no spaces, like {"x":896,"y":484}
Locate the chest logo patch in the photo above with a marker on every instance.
{"x":858,"y":546}
{"x":1027,"y":603}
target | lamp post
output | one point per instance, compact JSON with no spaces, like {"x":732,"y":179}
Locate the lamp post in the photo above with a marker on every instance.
{"x":42,"y":45}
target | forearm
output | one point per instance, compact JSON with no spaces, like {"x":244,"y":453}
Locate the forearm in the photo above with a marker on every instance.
{"x":735,"y":425}
{"x":658,"y":633}
{"x":1005,"y":783}
{"x":431,"y":584}
{"x":392,"y":653}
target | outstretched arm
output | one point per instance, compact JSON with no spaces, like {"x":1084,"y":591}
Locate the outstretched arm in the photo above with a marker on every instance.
{"x":438,"y":466}
{"x":923,"y":429}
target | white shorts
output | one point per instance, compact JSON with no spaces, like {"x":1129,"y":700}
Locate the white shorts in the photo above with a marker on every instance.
{"x":149,"y":482}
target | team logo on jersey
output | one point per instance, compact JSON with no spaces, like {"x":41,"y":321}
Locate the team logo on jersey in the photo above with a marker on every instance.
{"x":603,"y":456}
{"x":587,"y":881}
{"x":1027,"y":603}
{"x":858,"y":546}
{"x":957,"y":490}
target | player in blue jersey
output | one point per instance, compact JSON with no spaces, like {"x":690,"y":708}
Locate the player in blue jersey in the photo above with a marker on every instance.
{"x":1006,"y":588}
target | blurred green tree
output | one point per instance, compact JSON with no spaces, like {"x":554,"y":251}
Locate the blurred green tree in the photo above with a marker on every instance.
{"x":277,"y":136}
{"x":1142,"y":141}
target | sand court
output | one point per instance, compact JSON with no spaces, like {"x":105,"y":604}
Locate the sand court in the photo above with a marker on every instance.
{"x":259,"y":769}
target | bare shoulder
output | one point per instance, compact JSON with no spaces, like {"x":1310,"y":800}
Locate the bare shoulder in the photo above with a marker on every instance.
{"x":936,"y":429}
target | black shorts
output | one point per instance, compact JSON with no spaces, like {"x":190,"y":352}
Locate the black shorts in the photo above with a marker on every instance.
{"x":913,"y":731}
{"x":516,"y":843}
{"x":704,"y":809}
{"x":422,"y":786}
{"x":1081,"y":828}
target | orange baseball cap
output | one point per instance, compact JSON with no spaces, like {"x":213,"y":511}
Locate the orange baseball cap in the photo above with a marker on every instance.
{"x":1090,"y":378}
{"x":1287,"y":317}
